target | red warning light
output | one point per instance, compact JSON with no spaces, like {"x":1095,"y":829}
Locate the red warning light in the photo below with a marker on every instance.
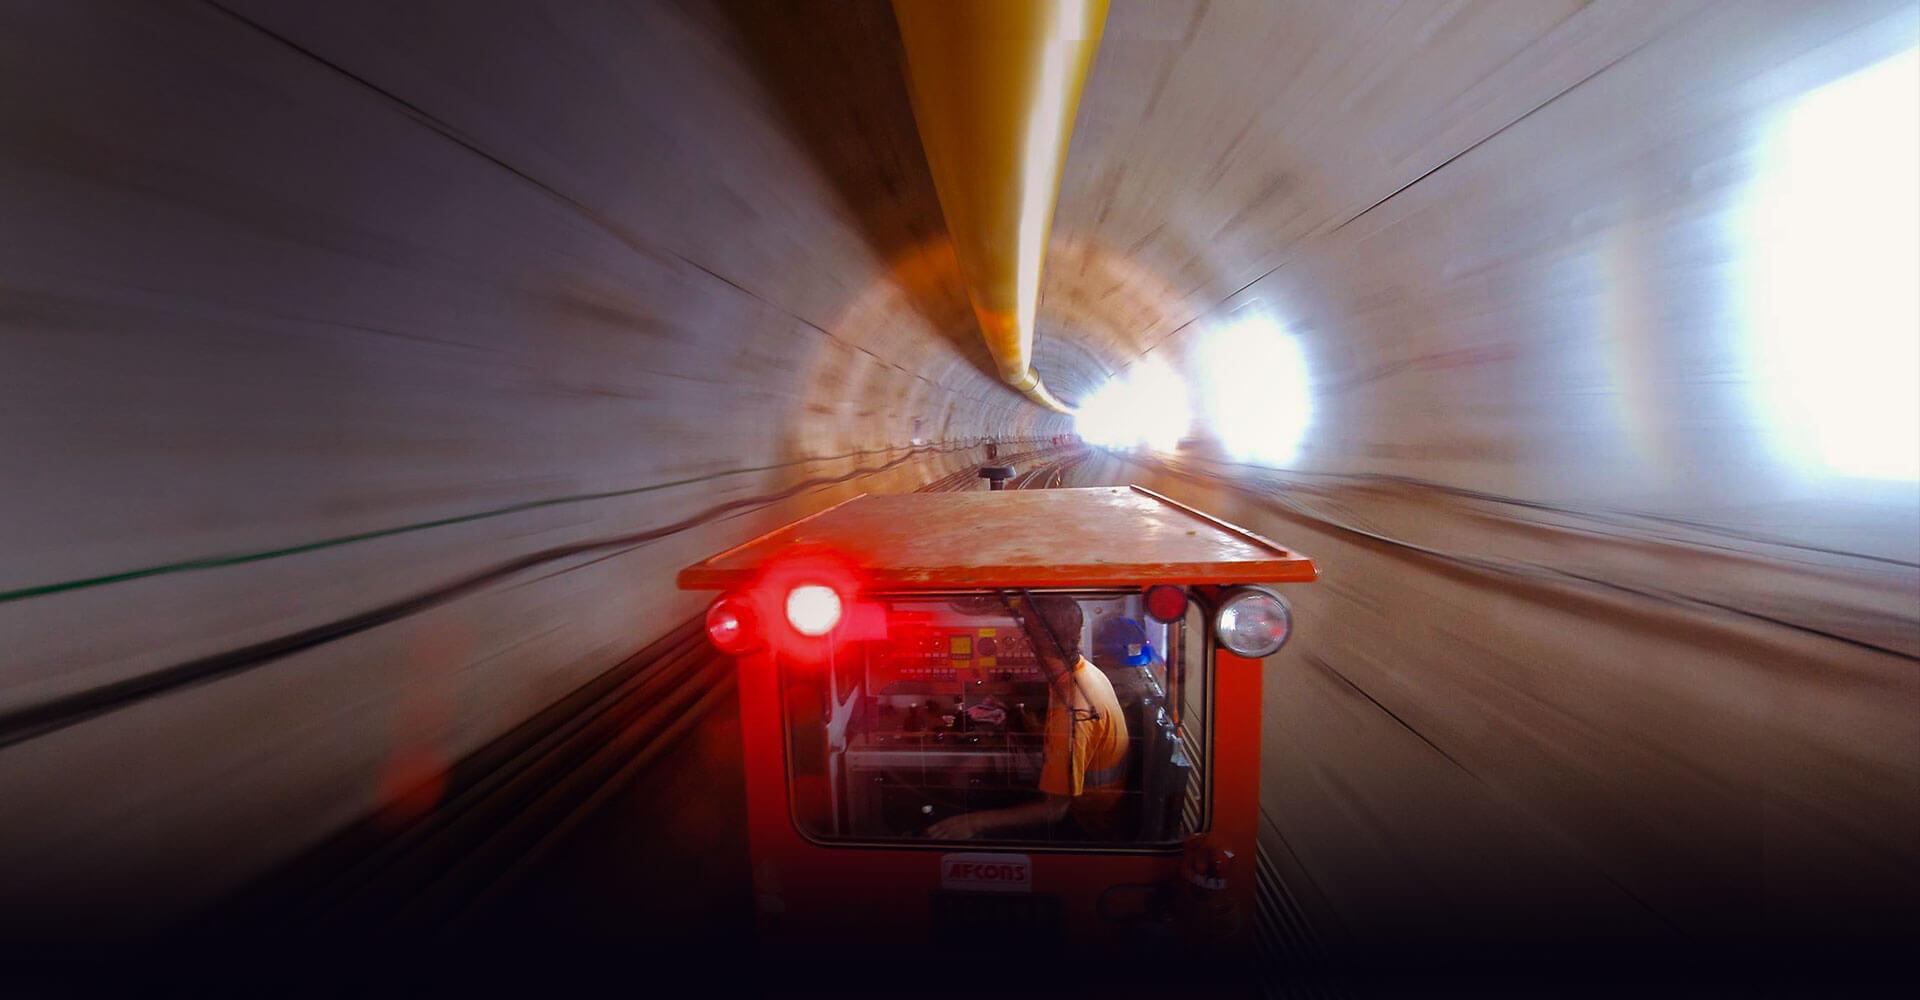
{"x":808,"y":602}
{"x":732,"y":625}
{"x":813,"y":609}
{"x":1166,"y":603}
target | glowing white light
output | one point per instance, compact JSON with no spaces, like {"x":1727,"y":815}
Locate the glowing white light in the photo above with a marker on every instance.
{"x":1832,"y":283}
{"x":1160,"y":397}
{"x":1103,"y":419}
{"x":1256,"y":390}
{"x":813,"y":609}
{"x":1147,"y":406}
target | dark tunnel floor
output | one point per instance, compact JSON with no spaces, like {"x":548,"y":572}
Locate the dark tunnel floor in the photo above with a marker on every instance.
{"x":663,"y":864}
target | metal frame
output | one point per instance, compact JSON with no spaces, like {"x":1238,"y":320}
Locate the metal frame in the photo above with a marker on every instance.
{"x":1025,"y":846}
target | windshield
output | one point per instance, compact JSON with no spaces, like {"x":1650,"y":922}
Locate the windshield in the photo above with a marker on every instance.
{"x":1003,"y":717}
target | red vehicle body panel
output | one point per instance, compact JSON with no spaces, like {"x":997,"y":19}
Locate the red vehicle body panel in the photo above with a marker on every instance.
{"x":1128,"y":538}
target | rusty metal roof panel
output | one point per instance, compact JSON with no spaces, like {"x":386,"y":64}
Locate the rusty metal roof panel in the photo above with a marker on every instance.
{"x":1105,"y":536}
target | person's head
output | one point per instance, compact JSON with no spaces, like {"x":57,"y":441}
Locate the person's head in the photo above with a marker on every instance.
{"x":1052,"y":625}
{"x":1119,"y":642}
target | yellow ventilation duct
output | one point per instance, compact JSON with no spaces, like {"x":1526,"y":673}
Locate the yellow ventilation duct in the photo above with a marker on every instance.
{"x":995,"y":84}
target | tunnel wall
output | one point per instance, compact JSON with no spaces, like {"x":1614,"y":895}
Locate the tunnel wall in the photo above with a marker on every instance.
{"x":369,"y":369}
{"x":1587,"y":660}
{"x":369,"y":372}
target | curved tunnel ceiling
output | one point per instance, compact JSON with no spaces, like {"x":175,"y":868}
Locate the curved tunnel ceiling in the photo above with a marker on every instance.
{"x":371,"y":368}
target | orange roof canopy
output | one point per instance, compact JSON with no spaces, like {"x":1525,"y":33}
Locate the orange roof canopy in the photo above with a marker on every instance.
{"x":1106,"y":536}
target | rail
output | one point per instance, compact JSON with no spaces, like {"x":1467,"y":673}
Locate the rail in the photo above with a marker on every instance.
{"x":514,"y":801}
{"x":509,"y":804}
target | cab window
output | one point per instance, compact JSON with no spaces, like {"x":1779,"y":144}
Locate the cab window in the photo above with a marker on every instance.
{"x":1003,"y":717}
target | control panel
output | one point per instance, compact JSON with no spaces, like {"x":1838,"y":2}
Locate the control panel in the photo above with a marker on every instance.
{"x":956,"y":654}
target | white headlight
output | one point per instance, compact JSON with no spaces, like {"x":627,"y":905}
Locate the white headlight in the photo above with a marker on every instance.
{"x":1253,"y":622}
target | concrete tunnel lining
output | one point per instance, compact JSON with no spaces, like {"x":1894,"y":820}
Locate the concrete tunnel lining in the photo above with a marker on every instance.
{"x":318,"y":309}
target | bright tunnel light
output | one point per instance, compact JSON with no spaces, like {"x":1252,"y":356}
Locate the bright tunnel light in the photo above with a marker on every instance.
{"x":1833,"y":254}
{"x":1256,"y":390}
{"x":1147,"y":406}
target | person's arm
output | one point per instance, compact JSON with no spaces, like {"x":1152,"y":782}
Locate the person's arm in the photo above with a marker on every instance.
{"x":1056,"y":789}
{"x":967,"y":826}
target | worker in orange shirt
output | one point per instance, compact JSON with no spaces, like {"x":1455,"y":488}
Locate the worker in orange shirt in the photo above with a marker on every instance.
{"x":1083,"y":773}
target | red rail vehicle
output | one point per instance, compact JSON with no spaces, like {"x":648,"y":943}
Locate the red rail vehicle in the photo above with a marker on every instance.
{"x":1030,"y":716}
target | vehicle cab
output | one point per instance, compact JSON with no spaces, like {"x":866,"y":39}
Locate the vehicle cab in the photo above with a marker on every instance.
{"x":1074,"y":673}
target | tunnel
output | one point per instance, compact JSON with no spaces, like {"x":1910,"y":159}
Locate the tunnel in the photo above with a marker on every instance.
{"x":370,"y":371}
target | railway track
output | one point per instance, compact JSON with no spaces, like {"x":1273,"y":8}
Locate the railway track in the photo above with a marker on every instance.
{"x":506,"y":807}
{"x":1047,"y":475}
{"x":510,"y":805}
